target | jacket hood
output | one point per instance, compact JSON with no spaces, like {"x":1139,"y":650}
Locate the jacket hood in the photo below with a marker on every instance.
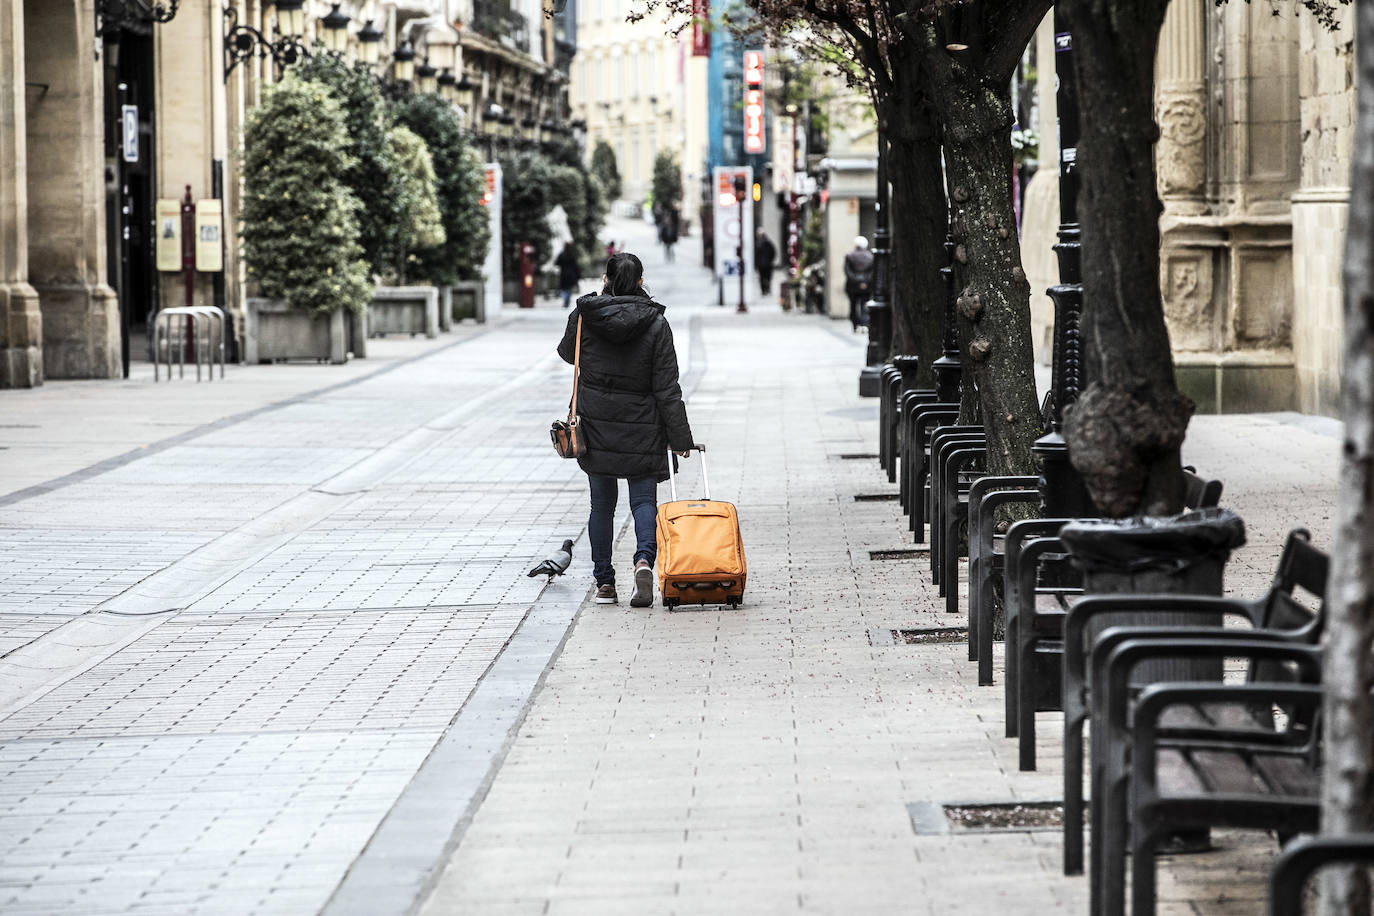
{"x":618,"y":318}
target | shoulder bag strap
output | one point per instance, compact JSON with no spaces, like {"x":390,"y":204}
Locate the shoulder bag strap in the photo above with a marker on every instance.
{"x":577,"y":370}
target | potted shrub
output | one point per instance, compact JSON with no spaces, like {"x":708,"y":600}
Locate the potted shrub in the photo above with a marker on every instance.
{"x":300,"y":227}
{"x":401,"y":308}
{"x":455,"y":266}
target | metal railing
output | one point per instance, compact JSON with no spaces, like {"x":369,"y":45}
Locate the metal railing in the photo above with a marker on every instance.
{"x":205,"y":326}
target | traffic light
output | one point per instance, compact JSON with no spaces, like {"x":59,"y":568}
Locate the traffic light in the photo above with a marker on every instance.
{"x":741,"y":191}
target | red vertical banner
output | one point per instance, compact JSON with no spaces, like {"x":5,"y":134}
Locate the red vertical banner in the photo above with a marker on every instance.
{"x":701,"y":28}
{"x":754,"y":141}
{"x":753,"y":121}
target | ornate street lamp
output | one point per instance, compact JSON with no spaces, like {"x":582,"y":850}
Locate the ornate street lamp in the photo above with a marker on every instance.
{"x":290,"y":17}
{"x":403,"y":63}
{"x":369,"y":44}
{"x":1062,"y":491}
{"x":879,"y":313}
{"x":464,"y":92}
{"x":448,"y":86}
{"x":242,"y":42}
{"x":426,"y":77}
{"x":335,"y":27}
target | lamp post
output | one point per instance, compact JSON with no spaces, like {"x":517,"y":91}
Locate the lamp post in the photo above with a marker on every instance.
{"x":335,"y":24}
{"x":463,"y":93}
{"x":243,"y":42}
{"x":369,"y":44}
{"x":879,"y":313}
{"x":1062,"y":492}
{"x":448,"y":86}
{"x":949,"y":367}
{"x":426,"y":77}
{"x":403,"y":64}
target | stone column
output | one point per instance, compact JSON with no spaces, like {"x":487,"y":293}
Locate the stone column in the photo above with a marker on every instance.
{"x":21,"y":323}
{"x":1180,"y":109}
{"x":66,"y":190}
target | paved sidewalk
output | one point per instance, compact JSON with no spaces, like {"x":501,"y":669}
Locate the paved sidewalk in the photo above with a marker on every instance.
{"x":270,"y":663}
{"x":763,"y":760}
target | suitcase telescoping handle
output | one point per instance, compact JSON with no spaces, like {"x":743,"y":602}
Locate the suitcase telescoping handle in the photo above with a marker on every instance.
{"x":705,"y":478}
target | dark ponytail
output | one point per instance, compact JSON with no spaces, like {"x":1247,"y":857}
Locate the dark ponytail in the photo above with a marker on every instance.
{"x":623,"y":273}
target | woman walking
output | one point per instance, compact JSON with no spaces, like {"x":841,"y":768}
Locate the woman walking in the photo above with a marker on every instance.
{"x":630,"y":413}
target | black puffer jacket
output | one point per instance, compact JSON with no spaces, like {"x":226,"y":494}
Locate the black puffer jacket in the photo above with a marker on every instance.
{"x":630,"y":400}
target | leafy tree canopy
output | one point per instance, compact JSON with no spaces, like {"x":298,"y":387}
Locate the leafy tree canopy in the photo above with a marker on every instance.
{"x":459,"y":187}
{"x":300,"y":219}
{"x":421,"y":226}
{"x":371,"y":175}
{"x":605,"y":170}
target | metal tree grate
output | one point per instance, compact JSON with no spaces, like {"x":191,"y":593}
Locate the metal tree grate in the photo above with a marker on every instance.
{"x":936,"y":818}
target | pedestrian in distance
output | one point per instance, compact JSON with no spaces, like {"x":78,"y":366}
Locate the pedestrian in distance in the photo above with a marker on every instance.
{"x":858,"y":276}
{"x":668,"y":234}
{"x":630,"y":412}
{"x":765,"y":257}
{"x":569,"y":272}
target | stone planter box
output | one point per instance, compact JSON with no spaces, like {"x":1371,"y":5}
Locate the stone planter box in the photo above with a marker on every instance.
{"x":404,"y":310}
{"x":275,"y":331}
{"x":445,"y":309}
{"x":357,"y":334}
{"x":468,"y":300}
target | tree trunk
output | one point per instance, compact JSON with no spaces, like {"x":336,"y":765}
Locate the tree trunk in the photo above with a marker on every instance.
{"x":1125,"y":431}
{"x":1348,"y":780}
{"x":994,"y":295}
{"x":918,"y":223}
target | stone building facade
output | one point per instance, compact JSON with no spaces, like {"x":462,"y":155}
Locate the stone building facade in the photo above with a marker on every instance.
{"x":103,"y":115}
{"x":1255,"y":112}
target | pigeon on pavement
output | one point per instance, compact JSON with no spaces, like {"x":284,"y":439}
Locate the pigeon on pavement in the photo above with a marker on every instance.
{"x":555,"y":565}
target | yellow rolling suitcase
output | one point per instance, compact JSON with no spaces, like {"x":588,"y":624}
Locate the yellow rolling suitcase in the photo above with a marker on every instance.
{"x":700,"y":551}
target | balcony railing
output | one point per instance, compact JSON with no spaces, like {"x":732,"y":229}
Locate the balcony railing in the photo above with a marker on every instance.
{"x":497,"y":21}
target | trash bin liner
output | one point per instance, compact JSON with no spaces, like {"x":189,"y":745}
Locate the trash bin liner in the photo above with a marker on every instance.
{"x":1172,"y":544}
{"x":1180,"y":554}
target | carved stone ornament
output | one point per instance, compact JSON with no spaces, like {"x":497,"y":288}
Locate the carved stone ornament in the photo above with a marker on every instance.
{"x":1186,"y":281}
{"x":1183,"y":128}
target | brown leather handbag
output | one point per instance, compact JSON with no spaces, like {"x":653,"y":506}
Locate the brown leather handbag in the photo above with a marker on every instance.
{"x":566,"y":434}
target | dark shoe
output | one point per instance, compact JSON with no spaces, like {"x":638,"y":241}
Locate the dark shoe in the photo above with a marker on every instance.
{"x":605,"y":594}
{"x":643,"y":595}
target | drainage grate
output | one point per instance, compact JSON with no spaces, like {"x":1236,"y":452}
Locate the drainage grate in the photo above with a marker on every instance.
{"x":934,"y":818}
{"x":876,"y":497}
{"x":902,"y":554}
{"x":857,"y":456}
{"x":929,"y":635}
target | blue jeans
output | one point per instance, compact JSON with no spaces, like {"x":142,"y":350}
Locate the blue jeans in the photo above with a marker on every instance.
{"x":643,"y":506}
{"x":567,"y":296}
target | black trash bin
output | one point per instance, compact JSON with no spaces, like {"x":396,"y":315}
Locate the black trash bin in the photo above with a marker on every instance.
{"x":1181,"y":554}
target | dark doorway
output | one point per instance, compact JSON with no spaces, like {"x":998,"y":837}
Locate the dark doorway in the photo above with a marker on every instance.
{"x":130,"y":183}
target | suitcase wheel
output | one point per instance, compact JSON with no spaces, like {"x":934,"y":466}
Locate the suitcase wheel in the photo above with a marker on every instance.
{"x":670,"y":603}
{"x":733,"y":602}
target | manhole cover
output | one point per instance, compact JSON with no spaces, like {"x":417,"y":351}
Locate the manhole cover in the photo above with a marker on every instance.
{"x":929,"y":635}
{"x":902,"y":554}
{"x":986,"y":817}
{"x":876,"y":497}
